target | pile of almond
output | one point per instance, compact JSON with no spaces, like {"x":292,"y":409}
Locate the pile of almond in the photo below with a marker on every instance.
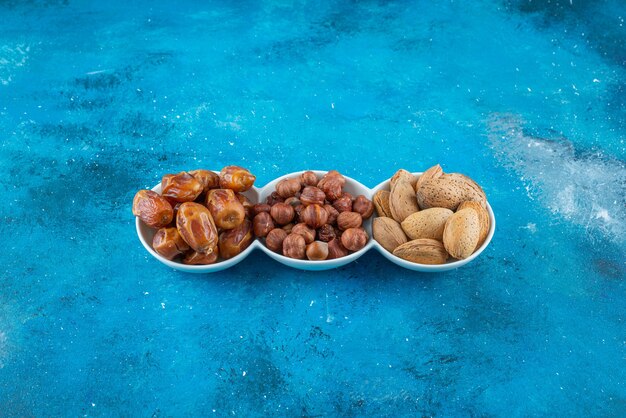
{"x":430,"y":218}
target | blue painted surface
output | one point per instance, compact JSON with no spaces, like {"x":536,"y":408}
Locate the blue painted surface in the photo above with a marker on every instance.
{"x":98,"y":100}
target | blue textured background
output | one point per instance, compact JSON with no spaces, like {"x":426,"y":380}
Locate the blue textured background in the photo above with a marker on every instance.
{"x":99,"y":99}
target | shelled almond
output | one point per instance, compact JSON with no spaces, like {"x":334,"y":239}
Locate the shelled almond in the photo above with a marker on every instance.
{"x":429,"y":218}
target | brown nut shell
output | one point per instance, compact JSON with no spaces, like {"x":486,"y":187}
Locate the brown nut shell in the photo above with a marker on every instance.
{"x":332,"y":185}
{"x":363,"y":206}
{"x":236,"y":178}
{"x":181,"y":187}
{"x":388,"y":233}
{"x":168,"y":243}
{"x":433,"y":172}
{"x":402,"y":200}
{"x":423,"y":251}
{"x":448,"y":191}
{"x":282,"y":213}
{"x":461,"y":233}
{"x":332,"y":214}
{"x":274,"y":198}
{"x":427,"y":223}
{"x":317,"y":251}
{"x":336,"y":249}
{"x":381,"y":203}
{"x":208,"y":179}
{"x":343,"y":204}
{"x":402,"y":174}
{"x":262,"y":224}
{"x":307,"y":233}
{"x":347,"y":220}
{"x":308,"y":178}
{"x":288,"y":187}
{"x":312,"y":195}
{"x":275,"y":238}
{"x":196,"y":226}
{"x":153,"y":209}
{"x":483,"y":219}
{"x":260,"y":207}
{"x":354,"y":239}
{"x":294,"y":246}
{"x":225,"y":207}
{"x":314,"y":216}
{"x":233,"y":242}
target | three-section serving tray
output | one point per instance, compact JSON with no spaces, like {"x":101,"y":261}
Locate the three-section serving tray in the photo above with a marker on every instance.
{"x":256,"y":195}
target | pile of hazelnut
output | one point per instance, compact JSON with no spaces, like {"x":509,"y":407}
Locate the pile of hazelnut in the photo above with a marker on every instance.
{"x":201,"y":216}
{"x":307,"y":217}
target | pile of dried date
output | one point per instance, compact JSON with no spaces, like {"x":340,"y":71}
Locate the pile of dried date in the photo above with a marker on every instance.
{"x":307,"y":217}
{"x":201,"y":216}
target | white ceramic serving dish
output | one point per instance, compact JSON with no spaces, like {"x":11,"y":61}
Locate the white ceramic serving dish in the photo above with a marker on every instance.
{"x":353,"y":187}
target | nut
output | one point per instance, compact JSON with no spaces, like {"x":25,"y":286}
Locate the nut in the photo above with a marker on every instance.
{"x":293,"y":201}
{"x":354,"y":238}
{"x":208,"y":179}
{"x":332,"y":214}
{"x":274,"y":198}
{"x":236,"y":178}
{"x":288,"y":187}
{"x":363,"y":206}
{"x":168,"y":243}
{"x":402,"y":175}
{"x":326,"y":233}
{"x":461,"y":233}
{"x":307,"y":233}
{"x":336,"y":249}
{"x":225,"y":207}
{"x":448,"y":191}
{"x":314,"y":216}
{"x":402,"y":200}
{"x":294,"y":246}
{"x":312,"y":195}
{"x":275,"y":238}
{"x":331,"y":184}
{"x":181,"y":187}
{"x":298,"y":210}
{"x":483,"y":219}
{"x":428,"y":223}
{"x":260,"y":207}
{"x":381,"y":203}
{"x":388,"y":233}
{"x":343,"y":204}
{"x":194,"y":257}
{"x":317,"y":250}
{"x":234,"y":241}
{"x":153,"y":209}
{"x":262,"y":224}
{"x":347,"y":220}
{"x":282,"y":213}
{"x":308,"y":178}
{"x":433,"y":172}
{"x":423,"y":251}
{"x":196,"y":226}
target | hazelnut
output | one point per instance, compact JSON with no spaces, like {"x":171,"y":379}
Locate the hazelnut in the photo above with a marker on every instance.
{"x":275,"y":238}
{"x":326,"y":233}
{"x":332,"y":214}
{"x":305,"y":231}
{"x":343,"y":204}
{"x":354,"y":238}
{"x":260,"y":207}
{"x":298,"y":211}
{"x":262,"y":224}
{"x":308,"y":178}
{"x":347,"y":220}
{"x":314,"y":216}
{"x":317,"y":250}
{"x":346,"y":194}
{"x":288,"y":187}
{"x":312,"y":196}
{"x":331,"y":184}
{"x":294,"y":246}
{"x":293,"y":201}
{"x":282,"y":213}
{"x":336,"y":249}
{"x":363,"y":205}
{"x":287,"y":228}
{"x":274,"y":198}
